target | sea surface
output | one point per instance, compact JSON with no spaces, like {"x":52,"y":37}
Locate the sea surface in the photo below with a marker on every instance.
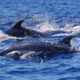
{"x":57,"y":17}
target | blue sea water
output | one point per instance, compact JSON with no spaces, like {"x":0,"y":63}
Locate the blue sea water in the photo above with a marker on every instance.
{"x":57,"y":17}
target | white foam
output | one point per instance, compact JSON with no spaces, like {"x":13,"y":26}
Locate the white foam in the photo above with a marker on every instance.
{"x":45,"y":27}
{"x":4,"y":36}
{"x":47,"y":24}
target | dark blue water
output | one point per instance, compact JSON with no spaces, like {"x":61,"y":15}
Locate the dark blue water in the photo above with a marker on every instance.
{"x":57,"y":17}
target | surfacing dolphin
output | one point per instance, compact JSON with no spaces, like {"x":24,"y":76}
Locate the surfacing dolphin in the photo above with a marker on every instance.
{"x":21,"y":51}
{"x":18,"y":31}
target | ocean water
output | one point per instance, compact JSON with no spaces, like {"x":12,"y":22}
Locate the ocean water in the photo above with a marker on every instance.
{"x":57,"y":17}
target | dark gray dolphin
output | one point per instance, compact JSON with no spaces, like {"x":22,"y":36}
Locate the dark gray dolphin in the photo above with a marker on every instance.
{"x":18,"y":31}
{"x":19,"y":51}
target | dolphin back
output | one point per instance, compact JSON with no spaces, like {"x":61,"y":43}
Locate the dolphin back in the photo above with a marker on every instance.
{"x":18,"y":24}
{"x":67,"y":40}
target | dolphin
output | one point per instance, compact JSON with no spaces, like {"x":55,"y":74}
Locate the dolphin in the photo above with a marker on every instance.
{"x":32,"y":49}
{"x":18,"y":31}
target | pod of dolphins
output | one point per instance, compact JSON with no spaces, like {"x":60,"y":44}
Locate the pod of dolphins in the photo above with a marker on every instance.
{"x":21,"y":51}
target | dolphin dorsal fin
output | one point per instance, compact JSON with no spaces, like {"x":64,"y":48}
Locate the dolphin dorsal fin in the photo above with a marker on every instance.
{"x":67,"y":40}
{"x":18,"y":24}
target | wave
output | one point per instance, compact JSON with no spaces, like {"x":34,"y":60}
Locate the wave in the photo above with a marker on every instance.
{"x":43,"y":23}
